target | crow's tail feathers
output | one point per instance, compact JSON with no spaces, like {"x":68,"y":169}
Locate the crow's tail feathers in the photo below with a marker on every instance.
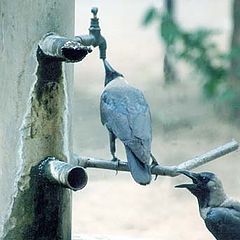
{"x":140,"y":171}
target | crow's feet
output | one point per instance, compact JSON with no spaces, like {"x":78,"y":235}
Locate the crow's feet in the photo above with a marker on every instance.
{"x":153,"y":165}
{"x":116,"y":161}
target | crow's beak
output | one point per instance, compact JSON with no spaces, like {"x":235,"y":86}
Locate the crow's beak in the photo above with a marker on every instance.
{"x":109,"y":70}
{"x":110,"y":73}
{"x":193,"y":176}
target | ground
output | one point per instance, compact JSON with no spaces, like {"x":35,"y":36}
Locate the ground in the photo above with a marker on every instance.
{"x":184,"y":125}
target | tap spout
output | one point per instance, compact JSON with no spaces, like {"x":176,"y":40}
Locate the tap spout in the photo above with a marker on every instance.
{"x":102,"y":47}
{"x":94,"y":38}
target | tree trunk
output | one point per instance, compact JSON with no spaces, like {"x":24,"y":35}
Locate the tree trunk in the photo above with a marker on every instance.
{"x":168,"y":64}
{"x":234,"y":73}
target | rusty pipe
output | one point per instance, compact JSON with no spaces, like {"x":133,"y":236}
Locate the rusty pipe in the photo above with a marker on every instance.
{"x":62,"y":48}
{"x":64,"y":174}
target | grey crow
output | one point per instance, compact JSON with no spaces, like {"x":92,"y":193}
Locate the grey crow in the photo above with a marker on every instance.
{"x":126,"y":115}
{"x":220,"y":213}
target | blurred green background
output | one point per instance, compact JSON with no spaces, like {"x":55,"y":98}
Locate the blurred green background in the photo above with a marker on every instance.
{"x":185,"y":60}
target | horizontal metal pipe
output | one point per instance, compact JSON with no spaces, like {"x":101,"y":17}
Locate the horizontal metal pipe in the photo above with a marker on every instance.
{"x":172,"y":171}
{"x":91,"y":40}
{"x":209,"y":156}
{"x":65,"y":49}
{"x":65,"y":174}
{"x":86,"y":40}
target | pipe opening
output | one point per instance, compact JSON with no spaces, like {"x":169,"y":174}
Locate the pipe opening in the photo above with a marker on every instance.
{"x":74,"y":54}
{"x":77,"y":178}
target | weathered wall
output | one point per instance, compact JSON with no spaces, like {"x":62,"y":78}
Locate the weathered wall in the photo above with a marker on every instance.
{"x":22,"y":141}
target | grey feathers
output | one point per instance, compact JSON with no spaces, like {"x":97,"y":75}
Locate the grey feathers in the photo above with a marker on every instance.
{"x":220,"y":213}
{"x":125,"y":113}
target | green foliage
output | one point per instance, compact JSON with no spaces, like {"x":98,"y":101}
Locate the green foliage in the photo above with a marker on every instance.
{"x":196,"y":48}
{"x":150,"y":14}
{"x":169,"y":31}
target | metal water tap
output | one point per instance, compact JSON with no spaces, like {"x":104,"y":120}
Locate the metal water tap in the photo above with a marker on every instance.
{"x":94,"y":38}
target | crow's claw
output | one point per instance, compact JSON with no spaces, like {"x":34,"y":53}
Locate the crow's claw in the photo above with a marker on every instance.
{"x":154,"y":164}
{"x":116,"y":160}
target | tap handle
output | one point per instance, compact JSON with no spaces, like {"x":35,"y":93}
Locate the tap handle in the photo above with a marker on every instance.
{"x":94,"y":11}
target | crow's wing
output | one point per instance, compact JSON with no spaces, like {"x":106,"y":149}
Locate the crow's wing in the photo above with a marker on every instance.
{"x":125,"y":112}
{"x":224,"y":223}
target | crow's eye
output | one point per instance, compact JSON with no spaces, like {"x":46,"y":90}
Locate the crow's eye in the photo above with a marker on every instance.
{"x":205,"y":179}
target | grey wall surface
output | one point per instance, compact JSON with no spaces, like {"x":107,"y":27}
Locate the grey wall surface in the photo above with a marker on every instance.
{"x":22,"y":24}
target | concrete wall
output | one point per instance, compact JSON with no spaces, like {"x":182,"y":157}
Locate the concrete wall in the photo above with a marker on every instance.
{"x":22,"y":24}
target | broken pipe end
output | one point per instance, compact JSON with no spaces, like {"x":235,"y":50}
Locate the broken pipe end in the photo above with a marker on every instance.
{"x":64,"y":174}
